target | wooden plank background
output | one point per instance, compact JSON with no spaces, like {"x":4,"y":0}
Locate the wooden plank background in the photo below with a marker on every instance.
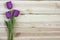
{"x":39,"y":20}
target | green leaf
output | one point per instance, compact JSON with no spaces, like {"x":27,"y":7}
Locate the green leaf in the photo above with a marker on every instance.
{"x":6,"y":23}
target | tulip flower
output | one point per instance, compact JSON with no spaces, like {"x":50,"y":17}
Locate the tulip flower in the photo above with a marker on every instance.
{"x":16,"y":13}
{"x":8,"y":14}
{"x":9,"y":5}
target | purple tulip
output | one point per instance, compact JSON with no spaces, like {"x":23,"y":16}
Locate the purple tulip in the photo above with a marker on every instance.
{"x":8,"y":14}
{"x":16,"y":13}
{"x":9,"y":5}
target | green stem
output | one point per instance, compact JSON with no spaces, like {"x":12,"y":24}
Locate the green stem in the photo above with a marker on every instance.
{"x":11,"y":31}
{"x":10,"y":35}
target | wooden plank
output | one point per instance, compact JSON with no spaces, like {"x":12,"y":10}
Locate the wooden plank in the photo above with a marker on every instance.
{"x":34,"y":7}
{"x":33,"y":38}
{"x":19,"y":32}
{"x":34,"y":25}
{"x":34,"y":18}
{"x":33,"y":29}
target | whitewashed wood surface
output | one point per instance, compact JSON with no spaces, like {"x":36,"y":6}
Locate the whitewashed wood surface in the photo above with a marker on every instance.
{"x":40,"y":20}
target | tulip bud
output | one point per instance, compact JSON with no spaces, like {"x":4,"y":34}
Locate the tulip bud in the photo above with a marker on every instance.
{"x":16,"y":13}
{"x":8,"y":14}
{"x":9,"y":5}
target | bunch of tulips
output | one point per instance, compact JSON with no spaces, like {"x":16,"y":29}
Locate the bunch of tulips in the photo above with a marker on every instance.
{"x":10,"y":15}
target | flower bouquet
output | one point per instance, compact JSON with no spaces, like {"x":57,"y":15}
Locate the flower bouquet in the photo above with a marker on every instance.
{"x":10,"y":15}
